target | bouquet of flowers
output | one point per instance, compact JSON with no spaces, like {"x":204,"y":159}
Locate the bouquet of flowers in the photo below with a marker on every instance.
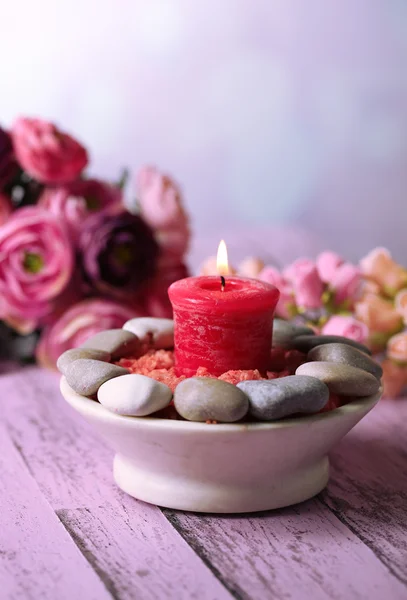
{"x":73,"y":258}
{"x":365,"y":302}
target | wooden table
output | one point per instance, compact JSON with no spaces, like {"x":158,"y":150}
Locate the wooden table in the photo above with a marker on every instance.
{"x":67,"y":531}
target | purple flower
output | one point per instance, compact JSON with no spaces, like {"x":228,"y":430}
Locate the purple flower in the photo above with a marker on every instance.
{"x":74,"y":202}
{"x":119,"y":253}
{"x":8,"y":166}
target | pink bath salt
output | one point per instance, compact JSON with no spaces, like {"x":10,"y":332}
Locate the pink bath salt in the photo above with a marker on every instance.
{"x":236,"y":377}
{"x":203,"y":372}
{"x":153,"y":359}
{"x":166,"y":376}
{"x":273,"y":375}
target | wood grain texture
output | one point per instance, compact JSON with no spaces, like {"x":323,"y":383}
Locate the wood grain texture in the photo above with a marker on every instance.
{"x":296,"y":553}
{"x":368,"y":487}
{"x":38,"y":559}
{"x":131,"y":545}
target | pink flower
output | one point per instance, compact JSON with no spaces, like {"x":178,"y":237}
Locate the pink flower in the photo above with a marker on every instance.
{"x":346,"y":283}
{"x":5,"y":208}
{"x":294,"y":269}
{"x":46,"y":153}
{"x":400,"y":303}
{"x":307,"y":284}
{"x":327,"y":265}
{"x":379,"y":266}
{"x":286,"y":302}
{"x":36,"y":262}
{"x":347,"y":327}
{"x":73,"y":203}
{"x":161,"y":206}
{"x":251,"y":267}
{"x":79,"y":323}
{"x":394,"y":378}
{"x":397,"y":348}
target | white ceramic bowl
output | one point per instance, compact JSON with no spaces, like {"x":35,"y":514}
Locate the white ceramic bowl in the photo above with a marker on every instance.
{"x":225,"y":468}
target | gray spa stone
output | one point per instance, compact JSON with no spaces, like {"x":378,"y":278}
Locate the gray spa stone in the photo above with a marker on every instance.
{"x":279,"y":398}
{"x":341,"y":379}
{"x":117,"y":342}
{"x":75,"y":353}
{"x":305,"y":343}
{"x":346,"y":355}
{"x":85,"y":375}
{"x":206,"y":399}
{"x":284,"y":333}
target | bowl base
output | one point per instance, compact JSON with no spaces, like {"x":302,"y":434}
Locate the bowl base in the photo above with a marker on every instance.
{"x":219,"y":497}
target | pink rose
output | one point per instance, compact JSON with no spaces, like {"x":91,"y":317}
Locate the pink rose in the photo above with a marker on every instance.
{"x":307,"y":284}
{"x":286,"y":302}
{"x":379,"y":266}
{"x":397,"y":348}
{"x":46,"y":153}
{"x":5,"y":208}
{"x":346,"y":284}
{"x":36,"y":263}
{"x":251,"y":267}
{"x":400,"y":303}
{"x":294,"y":269}
{"x":161,"y":206}
{"x":348,"y":327}
{"x":327,"y":265}
{"x":79,"y":323}
{"x":73,"y":203}
{"x":394,"y":378}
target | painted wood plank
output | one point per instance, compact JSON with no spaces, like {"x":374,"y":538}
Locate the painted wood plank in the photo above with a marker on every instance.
{"x":38,"y":559}
{"x":368,"y":488}
{"x":296,"y":553}
{"x":131,"y":545}
{"x":140,"y":558}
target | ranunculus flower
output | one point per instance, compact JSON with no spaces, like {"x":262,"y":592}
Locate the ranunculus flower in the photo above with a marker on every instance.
{"x":346,"y":284}
{"x":36,"y":264}
{"x":73,"y":203}
{"x":5,"y":208}
{"x":378,"y":314}
{"x":8,"y":165}
{"x":78,"y":323}
{"x":394,"y":378}
{"x":397,"y":348}
{"x":161,"y":206}
{"x":327,"y":265}
{"x":379,"y":266}
{"x":308,"y":287}
{"x":347,"y":327}
{"x":119,"y":253}
{"x":286,"y":303}
{"x":251,"y":267}
{"x":400,"y":303}
{"x":46,"y":153}
{"x":159,"y":198}
{"x":292,"y":271}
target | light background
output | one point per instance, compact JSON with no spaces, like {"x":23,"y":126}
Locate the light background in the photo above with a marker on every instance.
{"x":279,"y":112}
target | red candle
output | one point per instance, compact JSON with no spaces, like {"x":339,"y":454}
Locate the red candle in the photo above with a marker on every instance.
{"x":222,"y":327}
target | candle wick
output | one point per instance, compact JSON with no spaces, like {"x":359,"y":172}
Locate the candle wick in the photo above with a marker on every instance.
{"x":222,"y":283}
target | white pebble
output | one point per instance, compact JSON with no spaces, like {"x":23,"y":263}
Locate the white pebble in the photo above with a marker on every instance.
{"x":134,"y":395}
{"x":159,"y":331}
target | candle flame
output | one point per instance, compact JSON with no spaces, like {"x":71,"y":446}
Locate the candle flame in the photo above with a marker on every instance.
{"x":222,"y":264}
